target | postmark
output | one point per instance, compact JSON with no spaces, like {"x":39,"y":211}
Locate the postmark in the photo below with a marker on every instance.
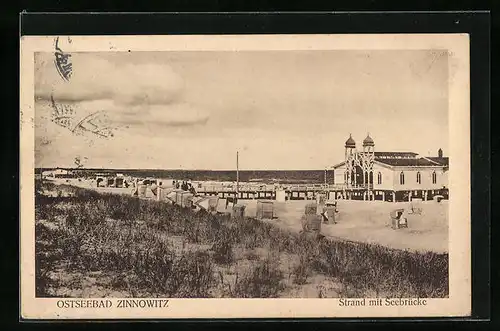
{"x":67,"y":115}
{"x":62,"y":61}
{"x":96,"y":123}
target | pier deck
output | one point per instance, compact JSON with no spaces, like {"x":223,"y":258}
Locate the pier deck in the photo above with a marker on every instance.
{"x":309,"y":192}
{"x":292,"y":192}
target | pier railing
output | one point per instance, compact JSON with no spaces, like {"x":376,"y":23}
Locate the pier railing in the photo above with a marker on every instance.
{"x":267,"y":187}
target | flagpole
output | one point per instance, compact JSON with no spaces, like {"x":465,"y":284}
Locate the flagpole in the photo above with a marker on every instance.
{"x":237,"y":174}
{"x":325,"y":175}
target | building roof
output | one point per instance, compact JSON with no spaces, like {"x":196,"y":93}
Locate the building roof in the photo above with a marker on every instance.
{"x":408,"y":162}
{"x":350,"y":142}
{"x":440,"y":160}
{"x":368,"y":141}
{"x":420,"y":162}
{"x":395,"y":155}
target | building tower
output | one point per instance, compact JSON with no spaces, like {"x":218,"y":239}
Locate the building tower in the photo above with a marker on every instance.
{"x":368,"y":156}
{"x":350,"y":146}
{"x":368,"y":144}
{"x":350,"y":155}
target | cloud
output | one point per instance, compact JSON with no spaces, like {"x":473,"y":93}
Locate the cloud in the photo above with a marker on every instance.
{"x":178,"y":114}
{"x":95,"y":78}
{"x":138,"y":95}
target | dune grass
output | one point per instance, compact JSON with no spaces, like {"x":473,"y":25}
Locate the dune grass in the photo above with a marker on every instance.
{"x":128,"y":239}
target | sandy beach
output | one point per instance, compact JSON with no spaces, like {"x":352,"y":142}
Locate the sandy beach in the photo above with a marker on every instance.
{"x":362,"y":221}
{"x":369,"y":222}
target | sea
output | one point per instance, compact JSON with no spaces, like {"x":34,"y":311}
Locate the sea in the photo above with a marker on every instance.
{"x":260,"y":176}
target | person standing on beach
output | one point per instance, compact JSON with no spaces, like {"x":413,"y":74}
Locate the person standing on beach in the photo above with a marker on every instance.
{"x":192,"y":189}
{"x":324,"y":214}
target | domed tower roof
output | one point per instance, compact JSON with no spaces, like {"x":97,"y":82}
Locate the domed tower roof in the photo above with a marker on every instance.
{"x":350,"y":143}
{"x":368,"y":141}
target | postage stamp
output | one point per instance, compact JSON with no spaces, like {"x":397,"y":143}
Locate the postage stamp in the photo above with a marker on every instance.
{"x":245,"y":176}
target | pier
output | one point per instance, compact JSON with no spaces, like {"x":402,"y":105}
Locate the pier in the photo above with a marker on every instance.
{"x":269,"y":192}
{"x":310,"y":192}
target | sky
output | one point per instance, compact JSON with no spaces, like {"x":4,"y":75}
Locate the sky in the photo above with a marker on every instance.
{"x":280,"y":109}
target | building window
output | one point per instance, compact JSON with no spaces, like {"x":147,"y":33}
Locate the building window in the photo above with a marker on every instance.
{"x":379,"y":178}
{"x":434,"y":178}
{"x":419,"y":178}
{"x":402,"y":178}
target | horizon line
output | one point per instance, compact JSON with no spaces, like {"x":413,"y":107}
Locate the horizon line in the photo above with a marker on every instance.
{"x":180,"y":169}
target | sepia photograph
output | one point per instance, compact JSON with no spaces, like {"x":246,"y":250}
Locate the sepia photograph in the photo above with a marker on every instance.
{"x":307,"y":173}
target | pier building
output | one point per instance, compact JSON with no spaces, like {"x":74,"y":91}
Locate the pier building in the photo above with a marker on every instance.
{"x":367,"y":174}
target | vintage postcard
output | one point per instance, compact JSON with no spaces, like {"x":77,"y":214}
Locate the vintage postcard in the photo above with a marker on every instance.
{"x":245,"y":176}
